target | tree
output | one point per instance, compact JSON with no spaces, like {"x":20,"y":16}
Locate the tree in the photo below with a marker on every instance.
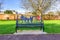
{"x":51,"y":15}
{"x":58,"y":12}
{"x":8,"y":12}
{"x":37,"y":5}
{"x":34,"y":13}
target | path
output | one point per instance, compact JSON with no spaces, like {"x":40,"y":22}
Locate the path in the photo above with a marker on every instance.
{"x":30,"y":32}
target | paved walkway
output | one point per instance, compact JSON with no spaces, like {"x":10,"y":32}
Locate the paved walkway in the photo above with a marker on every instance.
{"x":30,"y":32}
{"x":31,"y":37}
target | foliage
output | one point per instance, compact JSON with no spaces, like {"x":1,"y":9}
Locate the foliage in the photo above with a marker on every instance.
{"x":8,"y":12}
{"x":34,"y":13}
{"x":50,"y":16}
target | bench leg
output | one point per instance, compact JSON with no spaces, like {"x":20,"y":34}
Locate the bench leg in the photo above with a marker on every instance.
{"x":43,"y":28}
{"x":16,"y":29}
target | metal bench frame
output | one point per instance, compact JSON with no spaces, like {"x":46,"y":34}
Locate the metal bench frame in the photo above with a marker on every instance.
{"x":40,"y":25}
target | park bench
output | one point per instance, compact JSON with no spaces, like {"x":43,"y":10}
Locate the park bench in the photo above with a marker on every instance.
{"x":27,"y":24}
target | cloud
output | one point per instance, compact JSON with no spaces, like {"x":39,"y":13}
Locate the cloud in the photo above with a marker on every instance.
{"x":55,"y":6}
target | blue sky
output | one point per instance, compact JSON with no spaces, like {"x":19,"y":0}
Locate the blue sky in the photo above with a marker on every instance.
{"x":16,"y":4}
{"x":12,"y":5}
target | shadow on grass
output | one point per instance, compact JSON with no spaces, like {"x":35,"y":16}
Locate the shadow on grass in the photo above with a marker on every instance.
{"x":52,"y":28}
{"x":29,"y":28}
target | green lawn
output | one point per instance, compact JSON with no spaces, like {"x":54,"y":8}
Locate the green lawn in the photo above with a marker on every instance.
{"x":7,"y":27}
{"x":51,"y":26}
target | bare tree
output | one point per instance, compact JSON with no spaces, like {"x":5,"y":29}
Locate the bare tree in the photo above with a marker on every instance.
{"x":37,"y":5}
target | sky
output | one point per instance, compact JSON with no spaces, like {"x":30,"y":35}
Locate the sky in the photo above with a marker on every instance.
{"x":16,"y":5}
{"x":12,"y":5}
{"x":55,"y":6}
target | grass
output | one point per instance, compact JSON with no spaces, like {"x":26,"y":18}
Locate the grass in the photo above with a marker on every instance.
{"x":52,"y":26}
{"x":8,"y":27}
